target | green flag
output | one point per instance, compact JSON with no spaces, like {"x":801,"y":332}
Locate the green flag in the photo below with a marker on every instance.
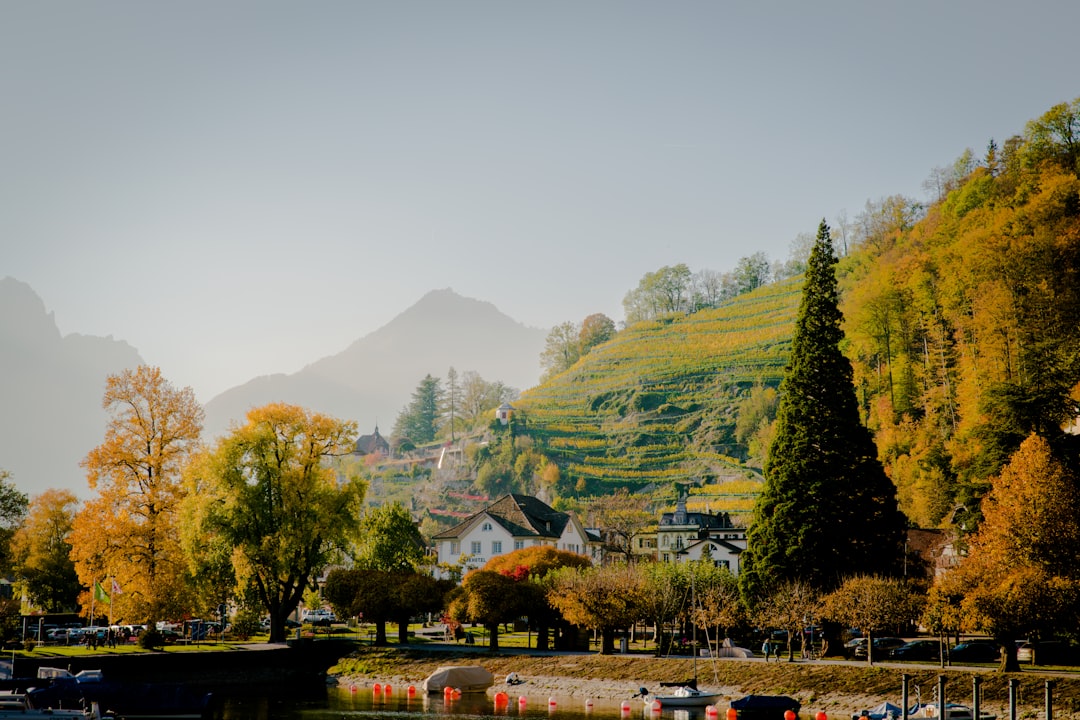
{"x":99,"y":593}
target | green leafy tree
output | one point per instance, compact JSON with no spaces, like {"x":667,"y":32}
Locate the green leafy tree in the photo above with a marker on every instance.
{"x":479,"y":397}
{"x":389,"y":539}
{"x":562,"y":349}
{"x":268,"y":491}
{"x":827,"y":508}
{"x":13,"y":507}
{"x":42,"y":551}
{"x":419,"y":420}
{"x":665,"y":291}
{"x":751,"y":272}
{"x":595,"y":329}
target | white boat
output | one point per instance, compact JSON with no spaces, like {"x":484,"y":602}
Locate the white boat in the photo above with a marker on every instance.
{"x":681,"y":695}
{"x":466,"y":678}
{"x":15,"y":705}
{"x":953,"y":711}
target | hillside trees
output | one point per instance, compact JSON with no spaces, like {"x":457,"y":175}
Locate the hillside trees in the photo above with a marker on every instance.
{"x":41,"y":549}
{"x":827,"y":508}
{"x":963,"y":332}
{"x":267,"y":491}
{"x":130,"y":531}
{"x":595,"y":329}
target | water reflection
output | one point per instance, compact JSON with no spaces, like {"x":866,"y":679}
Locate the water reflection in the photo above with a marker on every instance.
{"x":344,"y":703}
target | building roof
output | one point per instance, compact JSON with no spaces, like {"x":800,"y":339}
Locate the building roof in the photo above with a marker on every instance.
{"x":369,"y":444}
{"x":519,"y":515}
{"x":732,"y":549}
{"x":681,"y":517}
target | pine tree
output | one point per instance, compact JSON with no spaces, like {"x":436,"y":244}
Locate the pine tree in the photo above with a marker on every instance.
{"x":827,"y":510}
{"x":419,"y":420}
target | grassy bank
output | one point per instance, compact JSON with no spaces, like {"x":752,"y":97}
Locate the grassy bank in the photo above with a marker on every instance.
{"x":835,"y":687}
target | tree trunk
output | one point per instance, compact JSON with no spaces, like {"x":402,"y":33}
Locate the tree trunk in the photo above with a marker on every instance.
{"x":493,"y":642}
{"x":607,"y":641}
{"x":403,"y":632}
{"x":380,"y":633}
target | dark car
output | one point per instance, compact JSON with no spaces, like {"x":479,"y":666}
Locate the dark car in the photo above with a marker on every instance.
{"x":882,"y":647}
{"x":975,"y":651}
{"x":918,"y":650}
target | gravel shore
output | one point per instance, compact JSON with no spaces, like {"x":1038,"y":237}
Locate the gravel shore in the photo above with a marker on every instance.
{"x":838,"y":690}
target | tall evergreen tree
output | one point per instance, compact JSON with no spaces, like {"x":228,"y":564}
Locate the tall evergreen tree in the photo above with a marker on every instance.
{"x":827,"y":509}
{"x":419,"y":420}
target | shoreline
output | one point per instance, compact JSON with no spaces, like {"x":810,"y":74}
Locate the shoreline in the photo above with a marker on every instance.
{"x":837,"y":689}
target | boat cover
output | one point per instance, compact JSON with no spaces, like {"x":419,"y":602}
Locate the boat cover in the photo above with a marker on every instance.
{"x":466,"y":678}
{"x":765,"y":707}
{"x":881,"y":712}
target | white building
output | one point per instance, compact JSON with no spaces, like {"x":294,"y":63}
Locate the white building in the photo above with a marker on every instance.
{"x":684,"y":535}
{"x":512,"y":522}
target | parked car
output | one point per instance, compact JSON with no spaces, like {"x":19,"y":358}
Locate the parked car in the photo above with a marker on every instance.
{"x":975,"y":651}
{"x":918,"y":650}
{"x":882,"y":647}
{"x":1047,"y":652}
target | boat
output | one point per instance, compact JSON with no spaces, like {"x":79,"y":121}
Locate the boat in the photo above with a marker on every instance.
{"x":680,"y":695}
{"x":765,"y":707}
{"x":953,"y":711}
{"x":884,"y":711}
{"x":17,"y":705}
{"x":465,"y":678}
{"x":58,"y":688}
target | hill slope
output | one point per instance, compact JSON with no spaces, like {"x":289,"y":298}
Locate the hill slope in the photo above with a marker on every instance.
{"x":657,"y":404}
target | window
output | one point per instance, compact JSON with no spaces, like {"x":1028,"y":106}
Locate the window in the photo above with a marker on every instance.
{"x":486,"y":527}
{"x":475,"y":548}
{"x":496,"y":547}
{"x":519,"y":544}
{"x":455,"y":547}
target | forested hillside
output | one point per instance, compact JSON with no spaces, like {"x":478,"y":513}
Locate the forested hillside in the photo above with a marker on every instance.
{"x":962,"y":321}
{"x":965,"y":327}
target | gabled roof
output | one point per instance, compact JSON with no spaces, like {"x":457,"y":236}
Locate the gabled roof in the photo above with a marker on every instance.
{"x":732,"y":549}
{"x":519,"y":515}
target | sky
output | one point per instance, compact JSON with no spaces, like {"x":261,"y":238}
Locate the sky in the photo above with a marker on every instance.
{"x":242,"y":188}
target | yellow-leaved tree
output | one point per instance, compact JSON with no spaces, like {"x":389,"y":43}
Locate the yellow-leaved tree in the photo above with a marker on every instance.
{"x":269,"y":494}
{"x":125,"y":542}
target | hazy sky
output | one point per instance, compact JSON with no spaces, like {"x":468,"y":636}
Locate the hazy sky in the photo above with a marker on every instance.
{"x":240,"y":188}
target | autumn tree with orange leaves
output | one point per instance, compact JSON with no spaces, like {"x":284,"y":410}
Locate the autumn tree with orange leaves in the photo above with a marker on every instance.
{"x":1022,"y":573}
{"x":42,"y":551}
{"x":129,"y":533}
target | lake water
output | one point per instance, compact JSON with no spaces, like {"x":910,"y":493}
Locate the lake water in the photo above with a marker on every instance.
{"x":341,"y":703}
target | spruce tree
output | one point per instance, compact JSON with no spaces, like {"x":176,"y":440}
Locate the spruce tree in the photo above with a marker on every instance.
{"x":827,"y":510}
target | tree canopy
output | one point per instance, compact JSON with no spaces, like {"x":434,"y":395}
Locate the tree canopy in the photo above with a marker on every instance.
{"x":130,"y":532}
{"x":267,"y":490}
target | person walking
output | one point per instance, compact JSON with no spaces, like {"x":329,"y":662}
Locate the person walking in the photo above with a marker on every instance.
{"x":766,"y":649}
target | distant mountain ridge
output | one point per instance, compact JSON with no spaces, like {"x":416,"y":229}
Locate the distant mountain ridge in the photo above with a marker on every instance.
{"x":372,"y":379}
{"x":51,"y":385}
{"x":50,"y":392}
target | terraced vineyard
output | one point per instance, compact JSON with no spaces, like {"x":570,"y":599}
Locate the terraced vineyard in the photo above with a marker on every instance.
{"x":657,"y":404}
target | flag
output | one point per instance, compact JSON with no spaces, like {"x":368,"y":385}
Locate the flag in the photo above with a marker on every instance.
{"x":99,"y":593}
{"x":116,"y":588}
